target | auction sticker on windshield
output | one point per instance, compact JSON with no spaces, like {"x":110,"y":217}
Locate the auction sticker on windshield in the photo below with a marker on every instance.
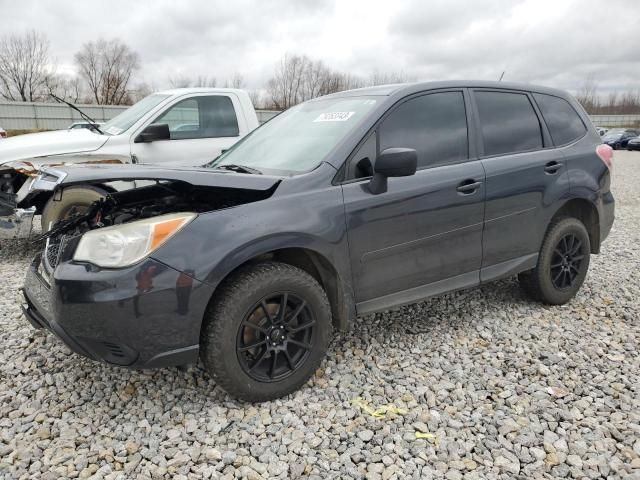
{"x":334,"y":117}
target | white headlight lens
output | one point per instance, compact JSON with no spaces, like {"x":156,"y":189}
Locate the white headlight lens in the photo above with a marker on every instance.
{"x":126,"y":244}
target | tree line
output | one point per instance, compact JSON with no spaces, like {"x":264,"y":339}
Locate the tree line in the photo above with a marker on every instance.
{"x":106,"y":69}
{"x":614,"y":103}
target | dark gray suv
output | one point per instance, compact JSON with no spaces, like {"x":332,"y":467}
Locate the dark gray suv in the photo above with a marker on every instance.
{"x":342,"y":206}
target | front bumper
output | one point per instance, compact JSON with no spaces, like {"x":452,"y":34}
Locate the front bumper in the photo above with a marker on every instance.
{"x":18,"y":223}
{"x":145,"y":316}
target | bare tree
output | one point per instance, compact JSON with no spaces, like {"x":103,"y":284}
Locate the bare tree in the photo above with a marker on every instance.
{"x":67,"y":87}
{"x":183,"y":81}
{"x":286,"y":85}
{"x":298,"y":78}
{"x":23,"y":66}
{"x":141,"y":90}
{"x":383,"y":78}
{"x":588,"y":95}
{"x":236,"y":81}
{"x":203,"y":81}
{"x":257,"y":98}
{"x":107,"y":67}
{"x":179,"y":81}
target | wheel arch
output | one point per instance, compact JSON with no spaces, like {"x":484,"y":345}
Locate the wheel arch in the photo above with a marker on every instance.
{"x":585,"y":211}
{"x":320,"y":268}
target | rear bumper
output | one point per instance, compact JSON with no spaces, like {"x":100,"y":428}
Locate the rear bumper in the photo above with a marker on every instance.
{"x":17,"y":223}
{"x":104,"y":316}
{"x":607,"y":215}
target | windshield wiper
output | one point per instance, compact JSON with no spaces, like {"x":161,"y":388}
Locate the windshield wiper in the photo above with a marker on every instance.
{"x":239,"y":169}
{"x":91,"y":121}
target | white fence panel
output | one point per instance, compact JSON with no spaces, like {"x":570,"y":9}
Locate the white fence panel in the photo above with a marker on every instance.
{"x":57,"y":116}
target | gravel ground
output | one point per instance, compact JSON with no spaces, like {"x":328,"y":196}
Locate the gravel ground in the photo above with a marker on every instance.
{"x":470,"y":372}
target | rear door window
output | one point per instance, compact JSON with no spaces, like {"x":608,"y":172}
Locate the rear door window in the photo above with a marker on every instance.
{"x":201,"y":117}
{"x":508,"y":122}
{"x":435,"y":125}
{"x":564,"y":123}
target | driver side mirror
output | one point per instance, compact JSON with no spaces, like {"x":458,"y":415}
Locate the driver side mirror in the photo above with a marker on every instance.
{"x":392,"y":162}
{"x":154,"y":132}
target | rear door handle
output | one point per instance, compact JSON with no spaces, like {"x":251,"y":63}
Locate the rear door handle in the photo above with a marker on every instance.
{"x":468,"y":187}
{"x":552,"y":167}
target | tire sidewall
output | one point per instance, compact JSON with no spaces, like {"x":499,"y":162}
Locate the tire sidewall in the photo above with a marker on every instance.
{"x":225,"y":361}
{"x":550,"y":293}
{"x":81,"y":196}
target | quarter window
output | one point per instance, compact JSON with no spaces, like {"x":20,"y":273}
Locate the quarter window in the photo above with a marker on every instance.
{"x":201,"y":117}
{"x":564,"y":123}
{"x":435,"y":125}
{"x":509,"y":123}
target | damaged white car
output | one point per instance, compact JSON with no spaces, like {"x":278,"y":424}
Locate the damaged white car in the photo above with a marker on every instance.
{"x":187,"y":126}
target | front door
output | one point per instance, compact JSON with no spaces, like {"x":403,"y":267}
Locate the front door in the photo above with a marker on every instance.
{"x":201,"y":127}
{"x":424,"y":235}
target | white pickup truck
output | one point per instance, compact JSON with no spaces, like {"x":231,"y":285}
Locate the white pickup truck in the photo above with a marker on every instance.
{"x":186,"y":126}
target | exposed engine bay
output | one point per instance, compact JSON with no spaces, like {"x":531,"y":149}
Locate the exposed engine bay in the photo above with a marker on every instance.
{"x":160,"y":198}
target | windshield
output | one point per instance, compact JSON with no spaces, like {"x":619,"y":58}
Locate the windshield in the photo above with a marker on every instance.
{"x":298,"y":140}
{"x":122,"y":122}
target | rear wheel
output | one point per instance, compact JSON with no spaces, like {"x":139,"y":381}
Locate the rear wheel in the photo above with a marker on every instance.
{"x":74,"y":200}
{"x":266,"y":331}
{"x":562,"y":264}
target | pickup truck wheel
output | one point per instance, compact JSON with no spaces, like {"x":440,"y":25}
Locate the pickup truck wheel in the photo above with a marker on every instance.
{"x":266,"y":331}
{"x":73,"y":200}
{"x":562,"y":264}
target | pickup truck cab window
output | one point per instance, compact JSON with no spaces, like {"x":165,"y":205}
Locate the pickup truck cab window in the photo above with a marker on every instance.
{"x":201,"y":117}
{"x":126,"y":119}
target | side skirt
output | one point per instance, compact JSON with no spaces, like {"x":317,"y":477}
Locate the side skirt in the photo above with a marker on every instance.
{"x":459,"y":282}
{"x":422,"y":292}
{"x":508,"y":268}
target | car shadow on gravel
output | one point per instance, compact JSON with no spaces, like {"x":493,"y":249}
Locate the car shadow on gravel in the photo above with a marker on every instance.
{"x":438,"y":316}
{"x":453,"y":310}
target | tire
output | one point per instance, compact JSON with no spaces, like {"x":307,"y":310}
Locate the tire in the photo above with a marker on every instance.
{"x":78,"y":198}
{"x":246,"y":300}
{"x":558,"y":282}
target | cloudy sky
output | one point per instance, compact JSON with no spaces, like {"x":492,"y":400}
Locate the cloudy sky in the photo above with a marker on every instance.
{"x":554,"y":42}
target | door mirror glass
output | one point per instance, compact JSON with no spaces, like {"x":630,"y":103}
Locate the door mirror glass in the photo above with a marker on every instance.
{"x":154,"y":132}
{"x":392,"y":162}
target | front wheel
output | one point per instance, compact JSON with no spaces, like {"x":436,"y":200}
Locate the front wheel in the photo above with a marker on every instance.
{"x":74,"y":200}
{"x":266,"y":331}
{"x":562,"y":264}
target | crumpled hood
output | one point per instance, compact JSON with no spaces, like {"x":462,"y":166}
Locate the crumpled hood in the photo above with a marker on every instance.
{"x":50,"y":143}
{"x":95,"y":173}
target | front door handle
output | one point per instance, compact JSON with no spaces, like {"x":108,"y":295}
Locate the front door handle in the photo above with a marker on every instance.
{"x":552,"y":167}
{"x":468,"y":187}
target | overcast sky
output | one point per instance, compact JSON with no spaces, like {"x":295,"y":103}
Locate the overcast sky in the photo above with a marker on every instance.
{"x":553,"y":42}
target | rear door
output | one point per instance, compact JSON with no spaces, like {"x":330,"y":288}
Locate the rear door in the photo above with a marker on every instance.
{"x":525,"y":175}
{"x":424,"y":234}
{"x":201,"y":126}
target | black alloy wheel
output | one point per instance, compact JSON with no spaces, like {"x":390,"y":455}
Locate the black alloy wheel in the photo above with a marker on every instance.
{"x":275,"y":337}
{"x":266,"y":331}
{"x":566,"y":261}
{"x":562,"y":263}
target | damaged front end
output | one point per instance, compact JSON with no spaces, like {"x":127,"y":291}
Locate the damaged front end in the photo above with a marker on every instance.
{"x":151,"y":198}
{"x":25,"y":187}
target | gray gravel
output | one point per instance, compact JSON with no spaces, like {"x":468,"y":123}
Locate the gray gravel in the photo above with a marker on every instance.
{"x":471,"y":369}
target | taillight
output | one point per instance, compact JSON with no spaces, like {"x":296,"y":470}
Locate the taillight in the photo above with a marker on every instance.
{"x":605,"y":152}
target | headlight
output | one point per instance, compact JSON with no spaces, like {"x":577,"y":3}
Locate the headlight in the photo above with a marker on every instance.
{"x":123,"y":245}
